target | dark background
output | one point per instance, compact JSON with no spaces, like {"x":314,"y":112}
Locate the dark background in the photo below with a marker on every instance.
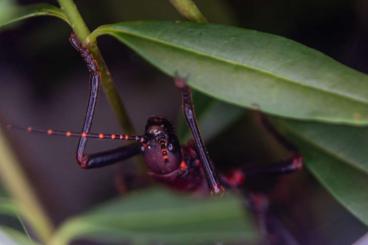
{"x":45,"y":84}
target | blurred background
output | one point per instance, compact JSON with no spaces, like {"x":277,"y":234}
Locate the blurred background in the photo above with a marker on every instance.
{"x":44,"y":83}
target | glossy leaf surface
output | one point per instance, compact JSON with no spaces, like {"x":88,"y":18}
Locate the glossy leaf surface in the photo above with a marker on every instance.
{"x":337,"y":157}
{"x":251,"y":69}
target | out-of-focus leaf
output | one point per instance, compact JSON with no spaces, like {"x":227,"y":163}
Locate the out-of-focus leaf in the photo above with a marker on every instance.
{"x":9,"y":236}
{"x":8,"y":207}
{"x":189,"y":10}
{"x":251,"y":69}
{"x":130,"y":10}
{"x":10,"y":13}
{"x":7,"y":7}
{"x":337,"y":157}
{"x":15,"y":182}
{"x":160,"y":216}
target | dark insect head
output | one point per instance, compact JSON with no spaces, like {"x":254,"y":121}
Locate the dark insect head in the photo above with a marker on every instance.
{"x":161,"y":149}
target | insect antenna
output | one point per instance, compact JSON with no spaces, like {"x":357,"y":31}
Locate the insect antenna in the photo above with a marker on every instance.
{"x":74,"y":134}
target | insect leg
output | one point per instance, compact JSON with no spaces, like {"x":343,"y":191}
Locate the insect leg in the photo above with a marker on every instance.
{"x":237,"y":177}
{"x":294,"y":163}
{"x":107,"y":157}
{"x":101,"y":159}
{"x":190,"y":117}
{"x":94,"y":79}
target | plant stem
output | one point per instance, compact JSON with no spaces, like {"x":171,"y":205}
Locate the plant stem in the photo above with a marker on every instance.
{"x":189,"y":10}
{"x":78,"y":25}
{"x":111,"y":92}
{"x":81,"y":30}
{"x":24,"y":196}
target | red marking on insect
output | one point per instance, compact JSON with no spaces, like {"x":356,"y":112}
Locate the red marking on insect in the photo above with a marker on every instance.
{"x":236,"y":177}
{"x":101,"y":136}
{"x":84,"y":135}
{"x":183,"y":166}
{"x":113,"y":136}
{"x":297,"y":162}
{"x":164,"y":155}
{"x":144,"y":147}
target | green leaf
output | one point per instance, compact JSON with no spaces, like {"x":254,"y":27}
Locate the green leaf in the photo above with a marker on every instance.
{"x":10,"y":13}
{"x":251,"y":69}
{"x":9,"y":236}
{"x":337,"y":157}
{"x":21,"y":192}
{"x":158,"y":215}
{"x":8,"y":207}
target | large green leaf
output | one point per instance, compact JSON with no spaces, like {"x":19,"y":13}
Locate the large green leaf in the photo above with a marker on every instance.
{"x":251,"y":69}
{"x":162,"y":217}
{"x":10,"y":12}
{"x":337,"y":156}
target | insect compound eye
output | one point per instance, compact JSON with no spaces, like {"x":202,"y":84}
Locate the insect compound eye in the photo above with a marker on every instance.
{"x":170,"y":147}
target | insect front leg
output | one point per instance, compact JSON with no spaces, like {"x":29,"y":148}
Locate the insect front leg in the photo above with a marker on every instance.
{"x":101,"y":159}
{"x":95,"y":77}
{"x":105,"y":158}
{"x":189,"y":113}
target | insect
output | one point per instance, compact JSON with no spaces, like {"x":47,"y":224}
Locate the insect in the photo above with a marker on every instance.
{"x":181,"y":167}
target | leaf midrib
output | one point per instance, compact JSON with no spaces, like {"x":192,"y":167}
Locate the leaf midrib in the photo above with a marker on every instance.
{"x":106,"y":29}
